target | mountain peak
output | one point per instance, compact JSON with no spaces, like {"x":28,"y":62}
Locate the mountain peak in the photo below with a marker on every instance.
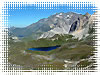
{"x":60,"y":23}
{"x":87,"y":14}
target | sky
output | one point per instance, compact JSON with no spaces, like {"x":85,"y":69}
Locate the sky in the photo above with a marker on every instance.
{"x":22,"y":17}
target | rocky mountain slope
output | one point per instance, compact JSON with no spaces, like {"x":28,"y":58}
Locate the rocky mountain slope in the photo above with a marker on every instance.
{"x":60,"y":23}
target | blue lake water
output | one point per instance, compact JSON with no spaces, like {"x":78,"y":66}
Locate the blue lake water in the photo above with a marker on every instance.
{"x":44,"y":48}
{"x":20,"y":36}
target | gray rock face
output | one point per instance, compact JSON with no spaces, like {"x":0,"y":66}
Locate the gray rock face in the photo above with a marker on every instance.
{"x":60,"y":23}
{"x":69,"y":23}
{"x":86,"y":22}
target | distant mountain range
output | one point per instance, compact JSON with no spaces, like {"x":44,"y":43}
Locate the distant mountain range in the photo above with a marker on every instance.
{"x":60,"y":23}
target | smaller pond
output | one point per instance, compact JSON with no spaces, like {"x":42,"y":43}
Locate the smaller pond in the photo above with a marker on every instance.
{"x":44,"y":48}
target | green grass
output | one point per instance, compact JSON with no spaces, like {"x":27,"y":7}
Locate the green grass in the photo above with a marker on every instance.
{"x":84,"y":63}
{"x":72,"y":49}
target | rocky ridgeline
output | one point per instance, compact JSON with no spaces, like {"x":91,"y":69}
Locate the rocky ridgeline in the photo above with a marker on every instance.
{"x":60,"y":23}
{"x":69,"y":23}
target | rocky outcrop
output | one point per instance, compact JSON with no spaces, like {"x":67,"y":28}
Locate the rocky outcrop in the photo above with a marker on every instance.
{"x":70,"y":23}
